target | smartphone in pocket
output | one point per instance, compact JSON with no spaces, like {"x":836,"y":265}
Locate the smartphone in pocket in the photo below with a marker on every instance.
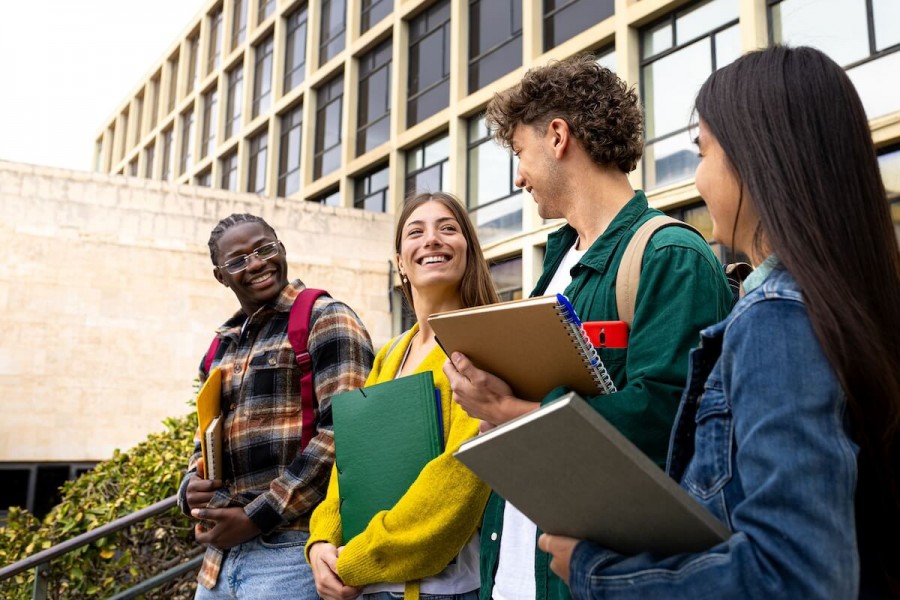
{"x":607,"y":334}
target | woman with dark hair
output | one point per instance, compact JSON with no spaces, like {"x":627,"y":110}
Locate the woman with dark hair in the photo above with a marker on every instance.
{"x":427,"y":543}
{"x":789,"y":430}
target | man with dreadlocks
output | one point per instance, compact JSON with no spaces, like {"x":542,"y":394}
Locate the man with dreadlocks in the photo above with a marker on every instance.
{"x":255,"y":520}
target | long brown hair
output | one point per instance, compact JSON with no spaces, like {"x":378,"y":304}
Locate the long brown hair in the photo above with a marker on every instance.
{"x":796,"y":134}
{"x":477,"y":287}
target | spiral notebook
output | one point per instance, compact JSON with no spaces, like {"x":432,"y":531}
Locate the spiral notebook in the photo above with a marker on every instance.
{"x":534,"y":345}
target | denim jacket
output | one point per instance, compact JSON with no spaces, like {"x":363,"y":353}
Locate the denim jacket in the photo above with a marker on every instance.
{"x":761,"y":440}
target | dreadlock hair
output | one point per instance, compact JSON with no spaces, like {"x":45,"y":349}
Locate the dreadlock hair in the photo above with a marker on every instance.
{"x":229,"y":222}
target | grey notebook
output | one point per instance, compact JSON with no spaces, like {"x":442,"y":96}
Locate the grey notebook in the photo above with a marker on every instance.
{"x":572,"y":473}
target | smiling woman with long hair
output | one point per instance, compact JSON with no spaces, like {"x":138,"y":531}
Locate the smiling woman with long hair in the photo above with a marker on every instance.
{"x":789,"y":430}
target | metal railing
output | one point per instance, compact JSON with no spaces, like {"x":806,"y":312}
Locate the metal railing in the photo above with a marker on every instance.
{"x":41,"y":561}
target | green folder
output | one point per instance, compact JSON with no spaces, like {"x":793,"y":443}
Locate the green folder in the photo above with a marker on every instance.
{"x":384,"y":435}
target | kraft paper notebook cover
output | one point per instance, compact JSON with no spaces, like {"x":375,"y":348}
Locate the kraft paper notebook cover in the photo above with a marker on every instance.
{"x":212,"y":458}
{"x":384,"y":435}
{"x":534,"y":345}
{"x":572,"y":473}
{"x":209,"y":401}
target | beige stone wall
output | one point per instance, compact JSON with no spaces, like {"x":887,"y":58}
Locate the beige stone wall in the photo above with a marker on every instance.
{"x":107,"y":299}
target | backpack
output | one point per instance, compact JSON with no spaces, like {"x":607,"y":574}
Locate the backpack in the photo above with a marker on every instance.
{"x":298,"y":335}
{"x":629,"y":274}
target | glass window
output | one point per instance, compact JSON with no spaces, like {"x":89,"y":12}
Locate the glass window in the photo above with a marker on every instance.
{"x":149,"y":156}
{"x":289,"y":153}
{"x":235,"y":101}
{"x":678,"y":54}
{"x":138,"y":122}
{"x":210,"y":122}
{"x":507,"y":276}
{"x":330,"y":198}
{"x":607,"y":58}
{"x":262,"y":78}
{"x":229,"y":168}
{"x":173,"y":84}
{"x":327,"y":156}
{"x":133,"y":167}
{"x":295,"y":49}
{"x":256,"y":174}
{"x":193,"y":77}
{"x":865,"y":42}
{"x":333,"y":24}
{"x":238,"y":24}
{"x":495,"y":40}
{"x":890,"y":174}
{"x":371,"y":190}
{"x":372,"y":12}
{"x":493,"y":200}
{"x":187,"y":140}
{"x":167,"y":138}
{"x":564,"y":19}
{"x":429,"y":63}
{"x":697,"y":216}
{"x":426,"y":166}
{"x":374,"y":107}
{"x":153,"y":100}
{"x":204,"y":179}
{"x":266,"y":9}
{"x":214,"y":54}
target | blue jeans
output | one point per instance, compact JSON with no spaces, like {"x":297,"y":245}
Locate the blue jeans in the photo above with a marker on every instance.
{"x":395,"y":596}
{"x":267,"y":567}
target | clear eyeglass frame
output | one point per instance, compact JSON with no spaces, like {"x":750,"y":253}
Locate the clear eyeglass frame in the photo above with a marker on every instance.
{"x":240,"y":263}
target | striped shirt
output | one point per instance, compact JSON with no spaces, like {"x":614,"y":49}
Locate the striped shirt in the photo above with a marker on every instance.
{"x":264,"y":470}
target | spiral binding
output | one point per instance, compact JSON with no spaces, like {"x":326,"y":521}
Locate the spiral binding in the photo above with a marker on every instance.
{"x":588,"y":352}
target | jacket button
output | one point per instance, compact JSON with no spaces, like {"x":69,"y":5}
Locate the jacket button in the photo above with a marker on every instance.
{"x":237,"y":368}
{"x":272,"y":361}
{"x":494,"y":537}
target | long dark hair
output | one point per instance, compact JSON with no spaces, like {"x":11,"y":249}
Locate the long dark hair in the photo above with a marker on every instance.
{"x":795,"y":132}
{"x":477,"y":287}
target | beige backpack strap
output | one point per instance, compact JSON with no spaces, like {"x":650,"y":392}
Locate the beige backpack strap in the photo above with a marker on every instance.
{"x":629,"y":274}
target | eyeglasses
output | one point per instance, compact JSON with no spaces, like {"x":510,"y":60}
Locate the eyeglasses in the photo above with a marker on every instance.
{"x":263,"y":253}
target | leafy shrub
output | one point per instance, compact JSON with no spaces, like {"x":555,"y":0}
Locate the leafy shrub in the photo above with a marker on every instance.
{"x":129,"y":481}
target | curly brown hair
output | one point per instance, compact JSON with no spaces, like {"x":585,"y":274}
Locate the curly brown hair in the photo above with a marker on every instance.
{"x":602,"y":112}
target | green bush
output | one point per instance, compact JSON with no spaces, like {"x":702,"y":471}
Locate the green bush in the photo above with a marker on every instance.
{"x":129,"y":481}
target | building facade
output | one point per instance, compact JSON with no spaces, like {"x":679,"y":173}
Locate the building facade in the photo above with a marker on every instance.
{"x":357,"y":103}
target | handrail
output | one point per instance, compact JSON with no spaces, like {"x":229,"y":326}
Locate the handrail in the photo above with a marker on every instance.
{"x":86,"y":538}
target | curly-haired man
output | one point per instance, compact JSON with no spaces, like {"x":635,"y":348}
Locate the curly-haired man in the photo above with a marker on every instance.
{"x":577,"y":130}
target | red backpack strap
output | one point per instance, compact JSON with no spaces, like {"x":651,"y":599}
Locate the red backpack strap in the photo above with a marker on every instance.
{"x":211,"y":354}
{"x":298,"y":335}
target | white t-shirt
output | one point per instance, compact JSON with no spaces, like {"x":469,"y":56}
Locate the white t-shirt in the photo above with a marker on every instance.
{"x":515,"y":568}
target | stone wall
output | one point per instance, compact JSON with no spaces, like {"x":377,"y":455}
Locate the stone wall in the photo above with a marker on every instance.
{"x":107,"y":299}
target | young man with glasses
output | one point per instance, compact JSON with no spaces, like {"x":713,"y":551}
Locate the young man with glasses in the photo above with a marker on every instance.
{"x":255,"y":522}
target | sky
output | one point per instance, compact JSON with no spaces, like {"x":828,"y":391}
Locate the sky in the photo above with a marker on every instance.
{"x":67,"y":65}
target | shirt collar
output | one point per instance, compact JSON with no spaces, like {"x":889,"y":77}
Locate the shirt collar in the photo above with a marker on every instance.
{"x":759,"y":274}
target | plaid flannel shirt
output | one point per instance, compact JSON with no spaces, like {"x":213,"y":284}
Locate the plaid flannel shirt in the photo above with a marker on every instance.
{"x":264,"y":471}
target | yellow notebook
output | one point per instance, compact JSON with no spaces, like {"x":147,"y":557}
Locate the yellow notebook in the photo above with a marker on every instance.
{"x":209,"y":407}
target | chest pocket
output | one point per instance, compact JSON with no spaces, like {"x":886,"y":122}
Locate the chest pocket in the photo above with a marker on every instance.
{"x":274,"y":385}
{"x":710,"y":467}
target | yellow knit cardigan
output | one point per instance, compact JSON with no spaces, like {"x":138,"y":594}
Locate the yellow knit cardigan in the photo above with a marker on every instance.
{"x":431,"y":523}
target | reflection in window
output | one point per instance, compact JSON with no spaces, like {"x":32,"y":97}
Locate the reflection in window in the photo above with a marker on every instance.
{"x":210,"y":122}
{"x":429,"y":63}
{"x":256,"y":174}
{"x":214,"y":53}
{"x":374,"y":107}
{"x":331,"y":31}
{"x":507,"y":276}
{"x":371,"y":190}
{"x":193,"y":78}
{"x":187,"y":141}
{"x":495,"y":40}
{"x":866,"y":43}
{"x":262,"y":78}
{"x":138,"y":119}
{"x":372,"y":12}
{"x":493,"y":200}
{"x":238,"y":24}
{"x":330,"y":198}
{"x":889,"y":162}
{"x":133,"y":167}
{"x":426,"y":167}
{"x":678,"y":53}
{"x":289,"y":153}
{"x":166,"y":172}
{"x":327,"y":155}
{"x":235,"y":101}
{"x":173,"y":83}
{"x":204,"y":179}
{"x":564,"y":19}
{"x":153,"y":100}
{"x":229,"y":167}
{"x":149,"y":156}
{"x":295,"y":49}
{"x":607,"y":58}
{"x":266,"y":10}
